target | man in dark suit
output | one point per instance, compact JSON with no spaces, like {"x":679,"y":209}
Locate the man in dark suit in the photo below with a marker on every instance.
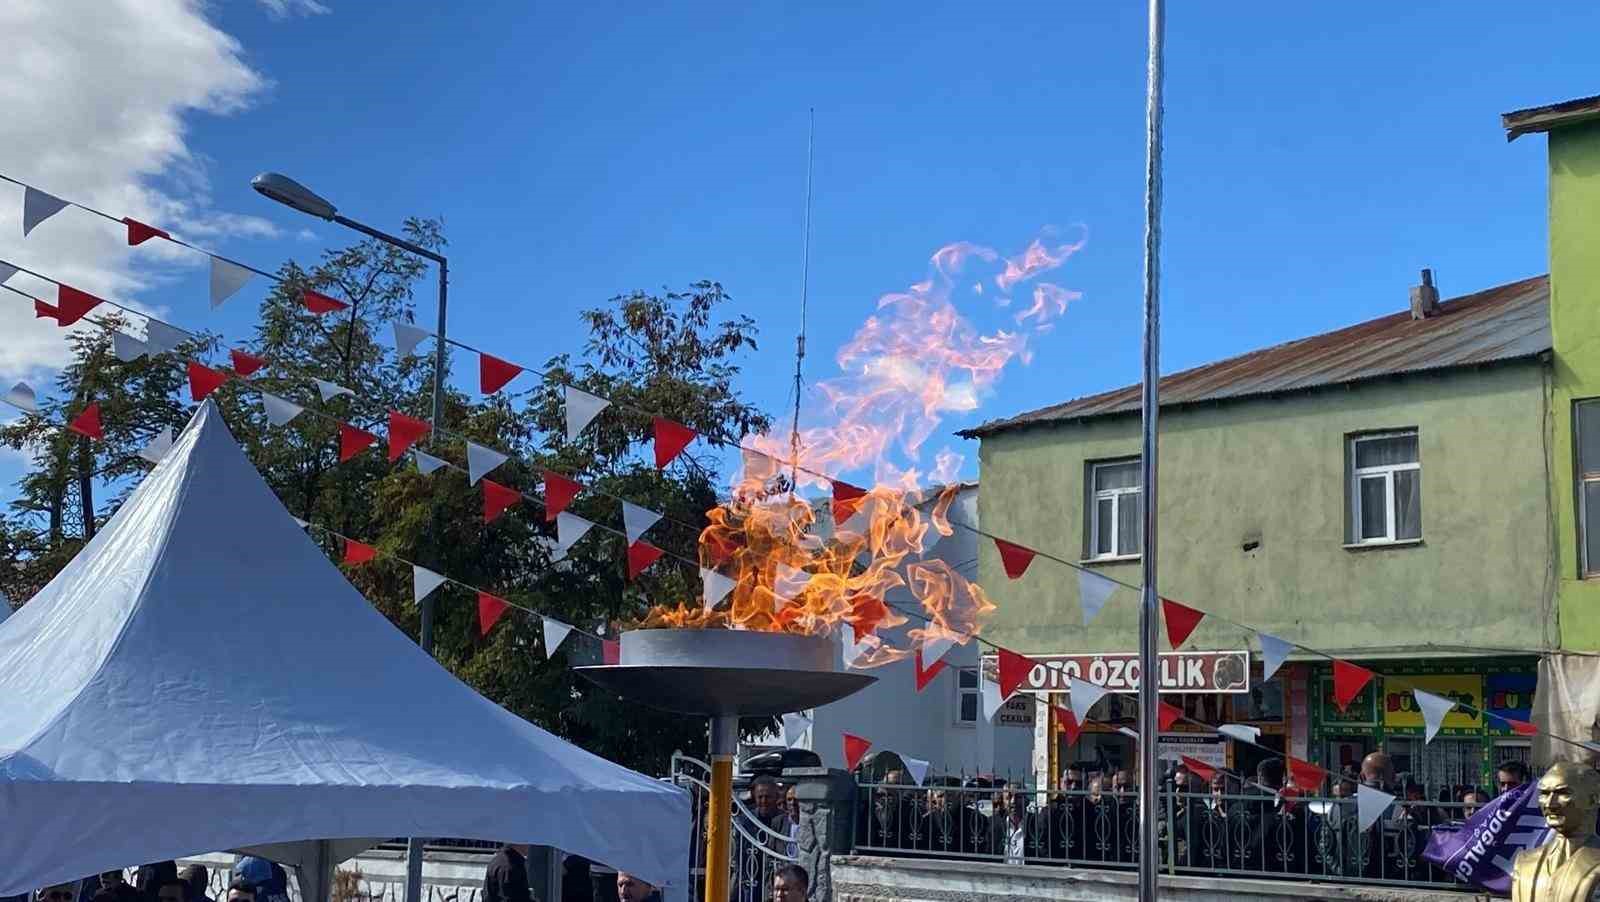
{"x":506,"y":879}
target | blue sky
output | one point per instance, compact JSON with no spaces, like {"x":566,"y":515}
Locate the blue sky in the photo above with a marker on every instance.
{"x":1316,"y":159}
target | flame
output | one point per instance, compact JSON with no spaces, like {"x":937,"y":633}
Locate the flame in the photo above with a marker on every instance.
{"x":806,"y":567}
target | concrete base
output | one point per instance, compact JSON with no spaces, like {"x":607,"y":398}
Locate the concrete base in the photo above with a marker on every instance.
{"x":860,"y":878}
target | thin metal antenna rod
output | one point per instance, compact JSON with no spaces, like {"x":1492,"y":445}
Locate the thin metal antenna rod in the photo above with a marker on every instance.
{"x":1149,"y":607}
{"x":805,"y":286}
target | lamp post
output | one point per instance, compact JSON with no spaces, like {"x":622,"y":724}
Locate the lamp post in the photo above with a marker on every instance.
{"x":292,"y":194}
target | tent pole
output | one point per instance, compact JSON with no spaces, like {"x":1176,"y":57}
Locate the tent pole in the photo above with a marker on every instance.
{"x":724,"y":745}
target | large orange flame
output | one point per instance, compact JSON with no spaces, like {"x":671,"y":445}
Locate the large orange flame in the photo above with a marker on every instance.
{"x":807,"y":567}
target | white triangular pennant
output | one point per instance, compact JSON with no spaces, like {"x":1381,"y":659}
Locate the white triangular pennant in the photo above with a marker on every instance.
{"x":1370,"y":805}
{"x":854,"y":650}
{"x":582,"y":408}
{"x":1093,"y":590}
{"x":330,"y":390}
{"x":1084,"y":697}
{"x":636,"y":520}
{"x":163,"y":338}
{"x":1129,"y":732}
{"x":303,"y":524}
{"x":126,"y":347}
{"x":21,"y":396}
{"x":715,"y":587}
{"x":1434,"y":708}
{"x":794,"y":728}
{"x":226,"y":280}
{"x":991,"y":698}
{"x":1241,"y":732}
{"x":555,"y":633}
{"x":427,"y":463}
{"x":6,"y":272}
{"x":279,"y":410}
{"x":917,"y":768}
{"x":569,"y":529}
{"x":788,"y":582}
{"x":407,"y":337}
{"x":158,"y":446}
{"x":423,"y":582}
{"x":1274,"y":652}
{"x":38,"y":206}
{"x":481,"y":461}
{"x":934,"y":649}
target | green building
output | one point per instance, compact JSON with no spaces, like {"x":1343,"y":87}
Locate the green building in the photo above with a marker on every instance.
{"x":1413,"y":493}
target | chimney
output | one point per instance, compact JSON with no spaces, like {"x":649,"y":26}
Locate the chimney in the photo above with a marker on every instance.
{"x":1424,"y":297}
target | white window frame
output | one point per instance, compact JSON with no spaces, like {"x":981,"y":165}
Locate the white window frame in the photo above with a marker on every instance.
{"x":975,"y":690}
{"x":1117,"y":499}
{"x":1387,"y":471}
{"x":1586,"y":569}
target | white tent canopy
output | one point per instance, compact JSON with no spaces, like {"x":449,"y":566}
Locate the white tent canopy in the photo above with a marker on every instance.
{"x":200,"y":677}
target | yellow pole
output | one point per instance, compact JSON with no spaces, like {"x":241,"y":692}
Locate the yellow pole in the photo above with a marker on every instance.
{"x":719,"y":820}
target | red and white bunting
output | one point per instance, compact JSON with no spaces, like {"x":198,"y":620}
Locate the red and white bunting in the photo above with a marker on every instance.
{"x":847,"y":500}
{"x":279,"y":410}
{"x":226,"y":280}
{"x":1274,"y":652}
{"x":37,"y":206}
{"x":989,"y":692}
{"x":319,"y":303}
{"x":139,"y":233}
{"x":497,"y":499}
{"x":1013,"y":670}
{"x":244,"y":364}
{"x":126,"y":348}
{"x":558,"y":493}
{"x":482,"y":461}
{"x":158,"y":446}
{"x":163,"y":338}
{"x":404,"y":432}
{"x":494,"y":373}
{"x":43,"y":310}
{"x":1199,"y":768}
{"x":490,"y":609}
{"x":582,"y":408}
{"x":555,"y":633}
{"x":788,"y":582}
{"x":670,"y":440}
{"x":1093,"y":590}
{"x":1305,"y":776}
{"x":423,"y":582}
{"x":73,"y":305}
{"x":1167,"y":715}
{"x":855,"y":748}
{"x":427,"y":463}
{"x":569,"y":529}
{"x":1083,"y":696}
{"x":1181,"y":621}
{"x":330,"y":390}
{"x":916,"y":768}
{"x":203,"y":380}
{"x":87,"y":422}
{"x":1014,"y":558}
{"x":407,"y":337}
{"x":358,"y":552}
{"x":935,"y":648}
{"x":1241,"y":732}
{"x":22,"y":397}
{"x":1434,"y":708}
{"x":1348,"y":681}
{"x":926,"y":672}
{"x":640,"y":556}
{"x":636,"y":520}
{"x":1370,"y":805}
{"x":1521,"y":727}
{"x":1068,"y":722}
{"x":353,"y":441}
{"x":795,"y":725}
{"x":714,"y":587}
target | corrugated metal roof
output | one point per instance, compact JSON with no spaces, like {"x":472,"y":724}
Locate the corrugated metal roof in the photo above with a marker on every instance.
{"x":1504,"y":323}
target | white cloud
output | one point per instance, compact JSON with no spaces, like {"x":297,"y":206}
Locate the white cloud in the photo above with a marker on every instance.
{"x":94,"y":94}
{"x":284,"y":9}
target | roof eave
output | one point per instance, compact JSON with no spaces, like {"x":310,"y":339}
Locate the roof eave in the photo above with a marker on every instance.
{"x":1550,"y":117}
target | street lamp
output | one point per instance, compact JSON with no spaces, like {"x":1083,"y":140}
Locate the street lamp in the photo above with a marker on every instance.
{"x":291,"y":193}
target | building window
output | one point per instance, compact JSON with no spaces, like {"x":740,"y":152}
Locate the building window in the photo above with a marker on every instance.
{"x":1385,"y":488}
{"x":1115,"y":523}
{"x":969,"y":697}
{"x":1587,"y":414}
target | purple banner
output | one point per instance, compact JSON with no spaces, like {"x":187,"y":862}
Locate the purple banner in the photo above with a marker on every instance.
{"x":1480,"y":851}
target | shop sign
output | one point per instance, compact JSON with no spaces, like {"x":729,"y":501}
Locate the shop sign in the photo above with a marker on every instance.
{"x":1016,"y":712}
{"x":1209,"y":749}
{"x":1400,"y":711}
{"x":1181,"y":672}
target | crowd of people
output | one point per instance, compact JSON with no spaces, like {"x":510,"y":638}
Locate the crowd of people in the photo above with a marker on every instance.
{"x":1227,"y":823}
{"x":251,"y":880}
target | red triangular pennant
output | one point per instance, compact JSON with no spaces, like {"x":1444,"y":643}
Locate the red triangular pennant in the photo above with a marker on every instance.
{"x":46,"y":310}
{"x":245,"y":364}
{"x":846,"y":501}
{"x":494,"y":373}
{"x":866,"y":612}
{"x":855,"y":748}
{"x":720,"y":548}
{"x":358,"y":552}
{"x":73,"y":304}
{"x":1167,"y":715}
{"x":1522,"y":727}
{"x":353,"y":441}
{"x":404,"y":432}
{"x":1014,"y":558}
{"x":558,"y":493}
{"x":319,"y":303}
{"x":88,"y":422}
{"x":203,"y":380}
{"x":1305,"y":776}
{"x":611,"y":651}
{"x":671,"y":439}
{"x":490,"y":609}
{"x":925,"y":676}
{"x":139,"y":233}
{"x":1199,"y":768}
{"x":1181,"y":621}
{"x":1348,"y":681}
{"x":641,"y":554}
{"x":496,"y":498}
{"x":1013,"y":670}
{"x":1068,"y":722}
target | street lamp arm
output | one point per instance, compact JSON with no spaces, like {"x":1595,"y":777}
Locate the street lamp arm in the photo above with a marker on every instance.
{"x":388,"y":238}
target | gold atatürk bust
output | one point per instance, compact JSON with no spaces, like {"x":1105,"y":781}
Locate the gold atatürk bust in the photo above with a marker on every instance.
{"x":1567,"y":867}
